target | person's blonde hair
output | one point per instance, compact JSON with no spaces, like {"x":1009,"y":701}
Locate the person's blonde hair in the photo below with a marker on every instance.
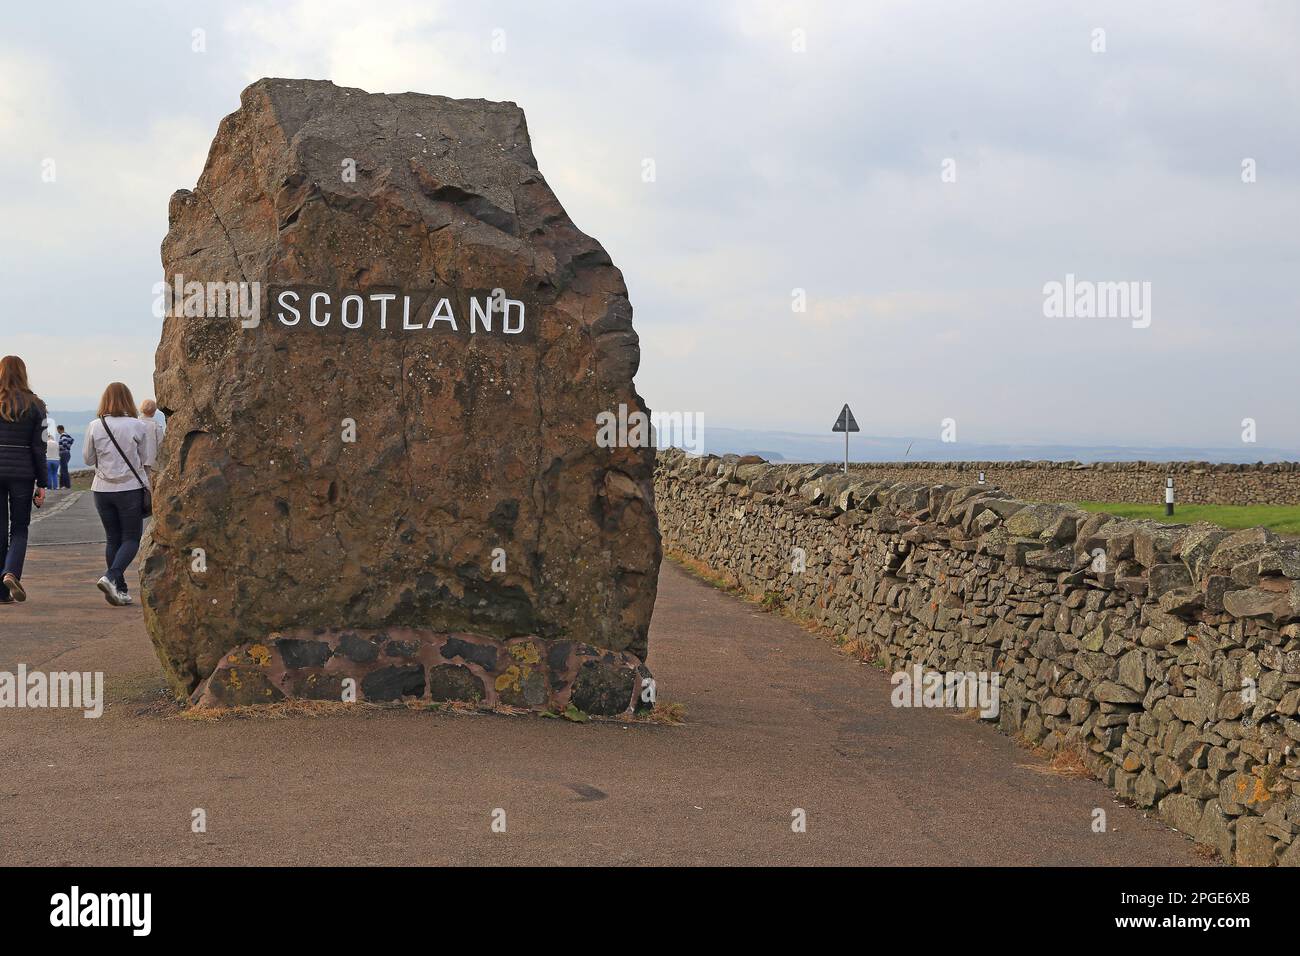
{"x":117,"y":402}
{"x":16,"y":396}
{"x":148,"y":407}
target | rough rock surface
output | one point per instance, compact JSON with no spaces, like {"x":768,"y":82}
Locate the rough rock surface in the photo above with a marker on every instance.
{"x":464,"y":442}
{"x":1165,"y":656}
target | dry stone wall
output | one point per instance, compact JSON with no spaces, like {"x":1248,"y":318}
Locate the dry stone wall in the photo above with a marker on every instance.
{"x":1166,"y":656}
{"x":1196,"y":482}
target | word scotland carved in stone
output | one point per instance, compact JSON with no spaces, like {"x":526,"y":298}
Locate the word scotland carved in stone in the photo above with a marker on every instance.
{"x":1166,"y":656}
{"x":391,"y":474}
{"x":448,"y":311}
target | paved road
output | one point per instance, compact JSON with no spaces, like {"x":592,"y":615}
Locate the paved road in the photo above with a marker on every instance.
{"x":776,"y":720}
{"x":77,"y":521}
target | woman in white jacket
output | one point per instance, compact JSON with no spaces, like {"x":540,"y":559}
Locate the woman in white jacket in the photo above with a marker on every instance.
{"x":119,"y":484}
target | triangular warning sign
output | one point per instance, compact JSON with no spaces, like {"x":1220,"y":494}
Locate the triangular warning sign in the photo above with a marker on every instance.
{"x":846,"y":422}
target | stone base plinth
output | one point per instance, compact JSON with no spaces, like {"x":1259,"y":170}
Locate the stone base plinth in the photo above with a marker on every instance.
{"x":409,"y":664}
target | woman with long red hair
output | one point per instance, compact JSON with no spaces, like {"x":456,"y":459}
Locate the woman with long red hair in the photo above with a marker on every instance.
{"x":23,"y":474}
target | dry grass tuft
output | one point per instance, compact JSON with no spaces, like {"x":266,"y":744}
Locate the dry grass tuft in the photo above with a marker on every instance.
{"x":278,"y":711}
{"x":667,"y":713}
{"x":1066,"y":762}
{"x":1209,"y":854}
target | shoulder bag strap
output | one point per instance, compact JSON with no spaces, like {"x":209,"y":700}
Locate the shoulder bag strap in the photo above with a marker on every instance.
{"x":104,"y":422}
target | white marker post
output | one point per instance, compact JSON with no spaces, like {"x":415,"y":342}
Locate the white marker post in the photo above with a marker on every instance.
{"x":1169,"y":497}
{"x":846,"y":423}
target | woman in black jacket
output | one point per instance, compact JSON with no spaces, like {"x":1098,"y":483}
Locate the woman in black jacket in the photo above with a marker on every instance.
{"x":22,"y":468}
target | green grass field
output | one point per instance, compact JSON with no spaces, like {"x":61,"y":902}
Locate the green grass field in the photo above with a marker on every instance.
{"x":1284,"y":519}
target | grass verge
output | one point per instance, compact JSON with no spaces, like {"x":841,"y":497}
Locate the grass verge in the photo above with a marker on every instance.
{"x":1284,"y":519}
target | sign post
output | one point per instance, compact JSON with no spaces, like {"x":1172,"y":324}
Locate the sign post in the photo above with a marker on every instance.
{"x":846,"y":423}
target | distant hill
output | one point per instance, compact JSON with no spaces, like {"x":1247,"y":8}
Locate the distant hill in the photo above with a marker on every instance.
{"x":75,"y":422}
{"x":796,"y":446}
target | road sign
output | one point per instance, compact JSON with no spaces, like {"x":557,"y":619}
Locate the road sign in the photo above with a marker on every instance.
{"x":846,"y":422}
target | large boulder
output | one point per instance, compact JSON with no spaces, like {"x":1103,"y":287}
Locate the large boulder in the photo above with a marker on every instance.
{"x":418,"y":448}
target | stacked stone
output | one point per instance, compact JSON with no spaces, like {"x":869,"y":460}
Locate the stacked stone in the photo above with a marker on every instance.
{"x":1167,"y":656}
{"x":403,"y":664}
{"x":1197,"y":482}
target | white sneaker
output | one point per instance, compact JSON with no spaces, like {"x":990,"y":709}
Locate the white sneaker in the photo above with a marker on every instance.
{"x":124,"y":597}
{"x":111,"y":593}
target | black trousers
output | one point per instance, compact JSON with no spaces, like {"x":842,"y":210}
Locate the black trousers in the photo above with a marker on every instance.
{"x":15,"y":519}
{"x":121,"y":514}
{"x":65,"y":479}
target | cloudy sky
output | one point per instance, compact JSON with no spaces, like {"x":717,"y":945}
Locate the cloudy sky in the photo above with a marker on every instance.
{"x":796,"y":146}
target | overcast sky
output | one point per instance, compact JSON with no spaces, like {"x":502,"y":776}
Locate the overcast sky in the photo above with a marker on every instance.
{"x":795,"y":146}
